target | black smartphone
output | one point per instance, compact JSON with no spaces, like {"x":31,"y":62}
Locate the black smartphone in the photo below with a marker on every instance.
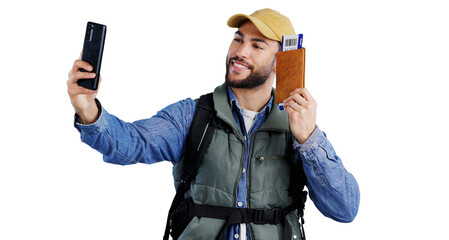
{"x":93,"y":52}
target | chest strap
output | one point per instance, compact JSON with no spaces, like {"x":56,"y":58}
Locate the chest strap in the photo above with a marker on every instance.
{"x":245,"y":215}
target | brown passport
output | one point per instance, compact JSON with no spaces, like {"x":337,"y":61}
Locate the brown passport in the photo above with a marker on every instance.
{"x":290,"y":73}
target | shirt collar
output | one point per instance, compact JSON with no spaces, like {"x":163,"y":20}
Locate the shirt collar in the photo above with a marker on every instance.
{"x":234,"y":102}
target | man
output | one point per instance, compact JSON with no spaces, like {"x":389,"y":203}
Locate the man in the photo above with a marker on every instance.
{"x":246,"y":165}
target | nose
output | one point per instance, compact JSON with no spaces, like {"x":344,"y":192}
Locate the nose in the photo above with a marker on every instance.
{"x":243,"y":51}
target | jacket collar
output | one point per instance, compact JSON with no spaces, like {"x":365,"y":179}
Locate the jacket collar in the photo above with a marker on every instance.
{"x":277,"y":120}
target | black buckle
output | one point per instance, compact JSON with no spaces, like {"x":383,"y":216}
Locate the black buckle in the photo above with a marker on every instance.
{"x":276,"y":216}
{"x":270,"y":216}
{"x":259,"y":216}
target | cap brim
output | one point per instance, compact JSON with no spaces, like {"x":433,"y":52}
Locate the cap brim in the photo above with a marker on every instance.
{"x":237,"y":20}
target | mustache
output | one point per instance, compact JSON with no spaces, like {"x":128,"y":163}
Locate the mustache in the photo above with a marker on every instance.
{"x":240,"y":60}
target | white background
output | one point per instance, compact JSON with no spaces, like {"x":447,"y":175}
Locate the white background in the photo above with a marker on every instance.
{"x":378,"y":69}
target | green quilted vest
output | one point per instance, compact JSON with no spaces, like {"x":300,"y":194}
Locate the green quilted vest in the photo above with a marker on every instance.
{"x":221,"y":169}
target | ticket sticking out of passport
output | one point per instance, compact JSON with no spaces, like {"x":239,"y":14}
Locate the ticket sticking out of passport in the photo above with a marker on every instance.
{"x":290,"y":68}
{"x":291,"y":42}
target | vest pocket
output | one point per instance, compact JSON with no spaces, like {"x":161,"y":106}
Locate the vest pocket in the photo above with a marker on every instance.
{"x":269,"y":178}
{"x":264,"y":158}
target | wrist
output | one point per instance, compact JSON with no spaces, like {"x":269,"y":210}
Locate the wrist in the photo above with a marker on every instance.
{"x":90,"y":114}
{"x":302,"y":138}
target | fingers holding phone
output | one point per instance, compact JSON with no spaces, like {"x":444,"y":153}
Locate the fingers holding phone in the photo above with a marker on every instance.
{"x":80,"y":70}
{"x":82,"y":99}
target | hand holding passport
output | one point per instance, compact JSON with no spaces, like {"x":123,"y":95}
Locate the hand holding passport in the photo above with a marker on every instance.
{"x":290,"y":67}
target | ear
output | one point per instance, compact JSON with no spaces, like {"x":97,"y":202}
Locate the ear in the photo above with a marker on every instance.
{"x":274,"y":61}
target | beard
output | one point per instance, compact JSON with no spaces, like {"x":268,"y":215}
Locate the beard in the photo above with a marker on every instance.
{"x":257,"y":77}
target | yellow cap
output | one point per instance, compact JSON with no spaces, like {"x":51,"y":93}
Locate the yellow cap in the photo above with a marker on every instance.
{"x":270,"y":23}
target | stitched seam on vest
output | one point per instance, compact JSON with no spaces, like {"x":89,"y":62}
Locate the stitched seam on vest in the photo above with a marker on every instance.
{"x":222,"y":132}
{"x":217,"y":189}
{"x":270,"y":190}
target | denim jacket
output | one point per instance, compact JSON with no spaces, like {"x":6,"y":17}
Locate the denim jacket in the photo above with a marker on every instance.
{"x":333,"y":190}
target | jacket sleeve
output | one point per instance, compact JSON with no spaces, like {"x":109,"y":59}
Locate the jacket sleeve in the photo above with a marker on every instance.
{"x":151,"y":140}
{"x":334,"y":191}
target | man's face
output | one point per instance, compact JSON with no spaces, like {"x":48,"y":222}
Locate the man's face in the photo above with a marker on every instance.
{"x":251,"y":58}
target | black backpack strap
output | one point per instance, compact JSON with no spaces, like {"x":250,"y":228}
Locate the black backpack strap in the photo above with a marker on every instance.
{"x":197,"y":142}
{"x":298,"y":180}
{"x":200,"y":135}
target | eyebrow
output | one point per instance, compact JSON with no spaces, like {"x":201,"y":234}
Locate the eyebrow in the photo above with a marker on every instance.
{"x":252,"y":39}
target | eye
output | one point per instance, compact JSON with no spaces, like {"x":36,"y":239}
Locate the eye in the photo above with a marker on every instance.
{"x":256,"y":46}
{"x":238,"y":40}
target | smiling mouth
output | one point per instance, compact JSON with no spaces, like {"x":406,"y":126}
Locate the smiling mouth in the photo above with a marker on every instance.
{"x":239,"y":66}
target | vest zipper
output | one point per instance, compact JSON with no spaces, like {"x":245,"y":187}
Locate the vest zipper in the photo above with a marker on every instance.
{"x":242,"y":161}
